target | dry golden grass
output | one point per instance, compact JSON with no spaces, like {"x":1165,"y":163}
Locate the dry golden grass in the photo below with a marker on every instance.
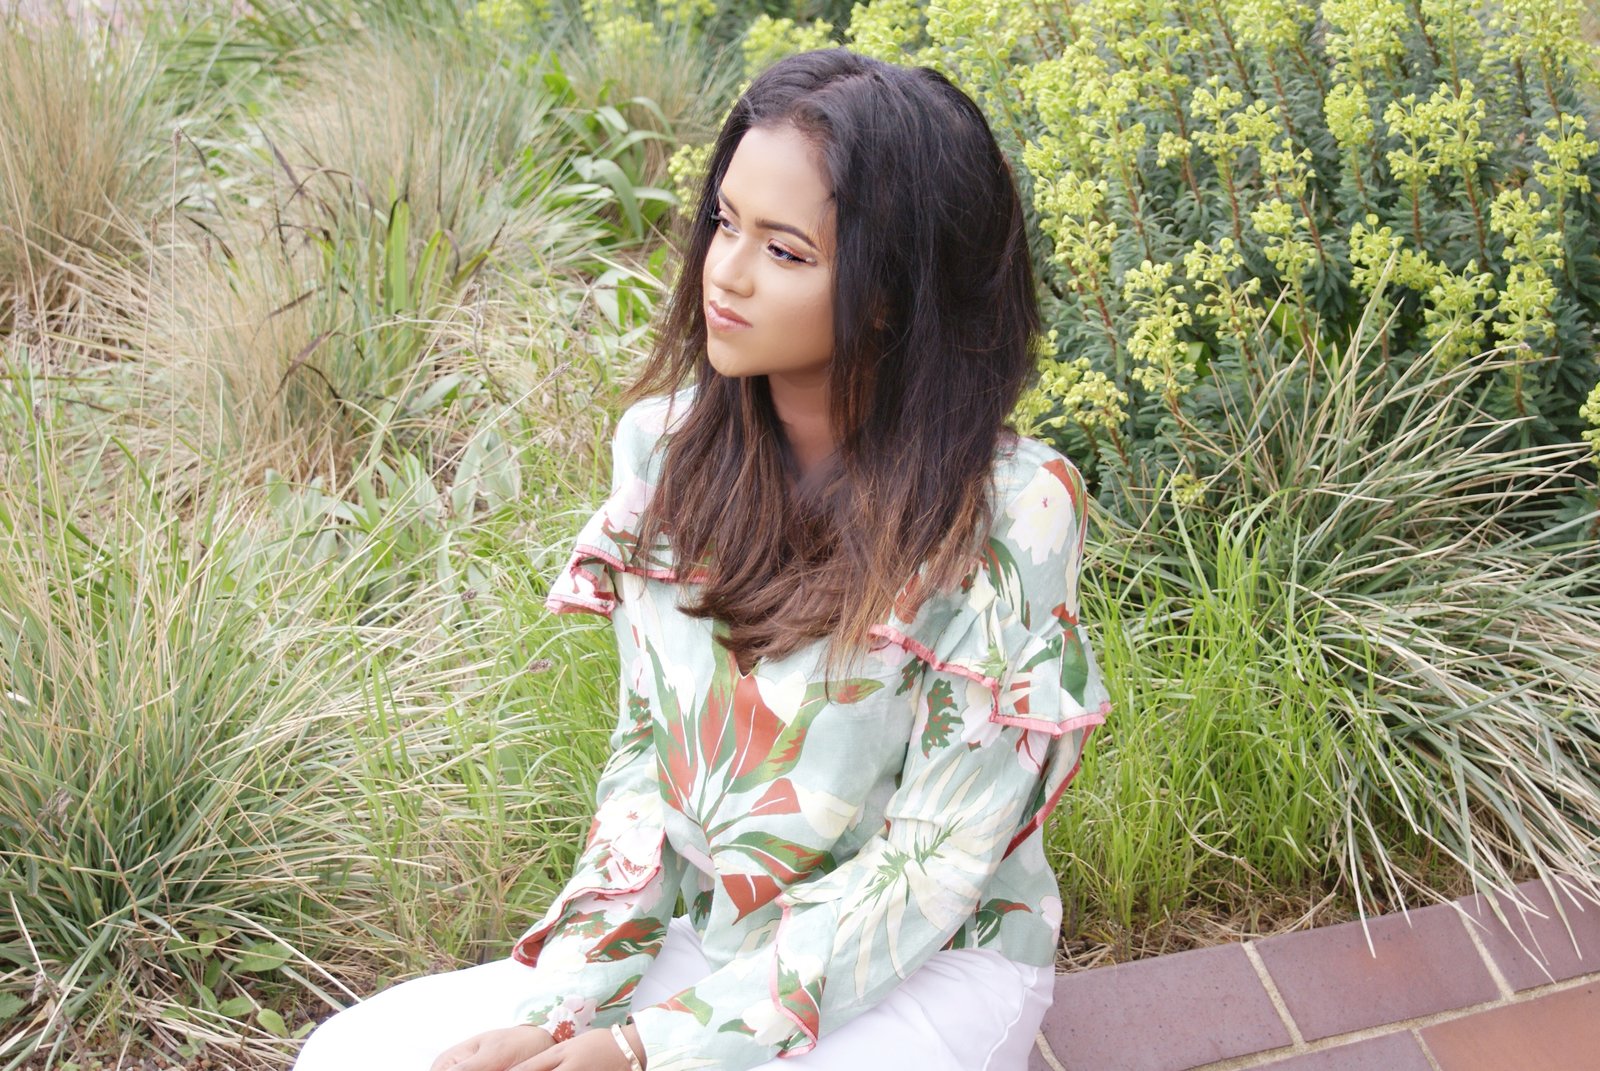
{"x":84,"y":158}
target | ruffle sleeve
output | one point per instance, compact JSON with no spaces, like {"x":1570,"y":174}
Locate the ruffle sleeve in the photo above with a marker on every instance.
{"x":1012,"y":632}
{"x":608,"y":922}
{"x":608,"y":543}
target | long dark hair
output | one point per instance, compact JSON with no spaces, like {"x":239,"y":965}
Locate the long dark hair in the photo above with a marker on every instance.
{"x":934,"y":320}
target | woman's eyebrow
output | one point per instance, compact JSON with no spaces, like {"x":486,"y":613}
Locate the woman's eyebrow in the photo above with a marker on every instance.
{"x":771,"y":225}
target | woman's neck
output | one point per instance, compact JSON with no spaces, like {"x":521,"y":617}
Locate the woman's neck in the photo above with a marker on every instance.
{"x":801,"y":402}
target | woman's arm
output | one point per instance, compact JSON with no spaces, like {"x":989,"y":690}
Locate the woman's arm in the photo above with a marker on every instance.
{"x":609,"y":921}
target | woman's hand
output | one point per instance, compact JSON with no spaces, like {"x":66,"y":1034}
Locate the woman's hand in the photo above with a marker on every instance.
{"x":593,"y":1050}
{"x":496,"y":1050}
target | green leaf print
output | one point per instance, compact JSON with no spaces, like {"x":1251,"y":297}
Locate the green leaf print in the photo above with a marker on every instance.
{"x":715,"y":729}
{"x":687,"y":1001}
{"x":1051,"y":649}
{"x":784,"y":753}
{"x":700,"y":906}
{"x":1006,"y":578}
{"x":783,"y":859}
{"x":642,"y":935}
{"x":622,"y":996}
{"x":803,"y":1002}
{"x":990,"y":914}
{"x":639,"y":733}
{"x":846,"y":692}
{"x":672,"y":746}
{"x":941,"y":716}
{"x":1074,"y":664}
{"x":909,"y":674}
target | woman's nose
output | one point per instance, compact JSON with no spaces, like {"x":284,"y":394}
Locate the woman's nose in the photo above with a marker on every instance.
{"x":727,"y":267}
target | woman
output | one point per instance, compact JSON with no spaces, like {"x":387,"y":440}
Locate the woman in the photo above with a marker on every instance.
{"x":853,"y":680}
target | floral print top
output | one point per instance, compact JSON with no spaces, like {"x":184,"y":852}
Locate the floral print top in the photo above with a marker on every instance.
{"x":827,"y":837}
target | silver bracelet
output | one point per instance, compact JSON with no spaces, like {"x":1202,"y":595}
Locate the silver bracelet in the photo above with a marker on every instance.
{"x":627,"y":1050}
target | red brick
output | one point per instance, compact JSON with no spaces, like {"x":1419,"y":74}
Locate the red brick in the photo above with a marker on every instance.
{"x":1536,"y":951}
{"x":1555,"y":1032}
{"x":1332,"y":984}
{"x":1391,"y":1052}
{"x":1164,"y":1014}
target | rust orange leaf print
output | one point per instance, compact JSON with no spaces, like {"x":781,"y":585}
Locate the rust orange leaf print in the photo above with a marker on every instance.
{"x":749,"y":891}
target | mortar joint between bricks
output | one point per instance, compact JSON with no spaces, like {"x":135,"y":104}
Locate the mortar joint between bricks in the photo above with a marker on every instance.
{"x":1500,"y":983}
{"x":1427,"y":1053}
{"x":1265,"y":978}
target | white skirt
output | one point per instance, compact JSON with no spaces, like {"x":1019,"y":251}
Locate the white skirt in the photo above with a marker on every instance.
{"x":964,"y":1009}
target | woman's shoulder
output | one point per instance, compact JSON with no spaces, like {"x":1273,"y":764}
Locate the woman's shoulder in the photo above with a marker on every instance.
{"x":1034,"y":480}
{"x":1036,"y":537}
{"x":658,"y":414}
{"x":1038,"y":503}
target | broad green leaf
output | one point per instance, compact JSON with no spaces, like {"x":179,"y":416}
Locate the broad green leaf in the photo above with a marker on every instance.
{"x":236,"y":1007}
{"x":263,"y":956}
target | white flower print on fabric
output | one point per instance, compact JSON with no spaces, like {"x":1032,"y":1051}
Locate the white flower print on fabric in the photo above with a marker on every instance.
{"x":1043,"y":514}
{"x":826,"y":813}
{"x":783,"y":695}
{"x":976,"y":727}
{"x":571,"y":1017}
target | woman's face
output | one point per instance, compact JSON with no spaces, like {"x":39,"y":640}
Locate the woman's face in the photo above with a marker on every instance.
{"x":770,"y":262}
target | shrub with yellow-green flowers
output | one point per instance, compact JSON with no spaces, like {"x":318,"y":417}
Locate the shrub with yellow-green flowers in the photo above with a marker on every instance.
{"x":770,"y":39}
{"x":1222,"y":189}
{"x":505,"y":15}
{"x":1591,"y":413}
{"x":687,"y":168}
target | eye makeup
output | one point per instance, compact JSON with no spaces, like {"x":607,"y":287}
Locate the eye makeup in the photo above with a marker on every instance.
{"x":778,"y":251}
{"x":770,"y":224}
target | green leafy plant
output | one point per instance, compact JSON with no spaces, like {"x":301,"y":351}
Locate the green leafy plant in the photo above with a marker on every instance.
{"x":611,"y":159}
{"x":257,"y":757}
{"x":1352,"y":668}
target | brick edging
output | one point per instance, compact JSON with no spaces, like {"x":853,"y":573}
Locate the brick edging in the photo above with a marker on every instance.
{"x":1382,"y":986}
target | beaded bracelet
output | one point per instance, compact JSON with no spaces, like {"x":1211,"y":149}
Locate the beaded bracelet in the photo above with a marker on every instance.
{"x":627,"y":1050}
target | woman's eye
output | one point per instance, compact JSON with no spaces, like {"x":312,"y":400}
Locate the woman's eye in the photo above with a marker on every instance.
{"x":777,"y":250}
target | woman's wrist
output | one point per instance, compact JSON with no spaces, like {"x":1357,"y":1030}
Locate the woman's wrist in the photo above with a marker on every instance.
{"x":627,"y":1036}
{"x":551,"y":1037}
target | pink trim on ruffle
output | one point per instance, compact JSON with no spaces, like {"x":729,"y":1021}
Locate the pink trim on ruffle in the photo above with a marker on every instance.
{"x":552,"y":916}
{"x":566,"y":602}
{"x":1042,"y":813}
{"x":1054,"y":728}
{"x":772,"y":988}
{"x":1057,"y":728}
{"x":894,"y":635}
{"x":585,"y":550}
{"x":1089,"y":720}
{"x":558,"y":602}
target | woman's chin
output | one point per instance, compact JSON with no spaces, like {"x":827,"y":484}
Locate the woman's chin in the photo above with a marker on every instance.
{"x":725,"y":362}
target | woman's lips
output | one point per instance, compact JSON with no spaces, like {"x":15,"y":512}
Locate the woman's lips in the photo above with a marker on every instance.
{"x":720,"y":319}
